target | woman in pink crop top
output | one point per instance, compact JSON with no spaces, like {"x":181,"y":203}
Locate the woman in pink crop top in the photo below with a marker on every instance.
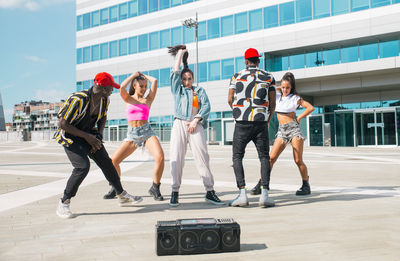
{"x":139,"y":131}
{"x":287,"y":101}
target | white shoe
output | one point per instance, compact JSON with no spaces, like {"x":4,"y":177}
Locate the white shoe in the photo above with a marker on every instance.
{"x":63,"y":210}
{"x":241,"y":200}
{"x":125,"y":199}
{"x":265,"y":201}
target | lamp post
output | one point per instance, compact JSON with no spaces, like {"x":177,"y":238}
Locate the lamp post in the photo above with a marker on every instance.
{"x":189,"y":23}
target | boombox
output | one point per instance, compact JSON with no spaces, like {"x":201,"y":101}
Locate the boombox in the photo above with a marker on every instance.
{"x":197,"y":236}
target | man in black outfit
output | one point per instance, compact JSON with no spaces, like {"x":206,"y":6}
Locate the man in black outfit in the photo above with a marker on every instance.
{"x":82,"y":118}
{"x":252,"y":99}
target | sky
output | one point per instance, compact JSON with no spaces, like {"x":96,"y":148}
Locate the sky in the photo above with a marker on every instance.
{"x":37,"y":51}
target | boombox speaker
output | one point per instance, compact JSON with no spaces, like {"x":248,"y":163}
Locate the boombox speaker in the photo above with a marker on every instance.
{"x":197,"y":236}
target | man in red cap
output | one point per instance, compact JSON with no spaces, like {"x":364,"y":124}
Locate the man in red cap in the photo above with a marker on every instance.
{"x":82,"y":118}
{"x":252,"y":99}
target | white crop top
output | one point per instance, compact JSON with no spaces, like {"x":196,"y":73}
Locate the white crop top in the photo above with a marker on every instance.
{"x":286,"y":104}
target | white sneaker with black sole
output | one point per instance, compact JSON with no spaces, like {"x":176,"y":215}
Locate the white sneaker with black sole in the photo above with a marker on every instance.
{"x":125,"y":199}
{"x":63,"y":210}
{"x":241,"y":200}
{"x":265,"y":200}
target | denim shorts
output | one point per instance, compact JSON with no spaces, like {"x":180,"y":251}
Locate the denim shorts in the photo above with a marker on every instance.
{"x":139,"y":135}
{"x":288,"y":131}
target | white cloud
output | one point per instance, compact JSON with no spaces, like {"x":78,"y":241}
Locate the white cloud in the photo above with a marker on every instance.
{"x":34,"y":59}
{"x":29,"y":4}
{"x":50,"y":95}
{"x":32,"y":6}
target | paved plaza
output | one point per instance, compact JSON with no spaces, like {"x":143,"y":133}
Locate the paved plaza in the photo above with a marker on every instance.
{"x":353,"y":212}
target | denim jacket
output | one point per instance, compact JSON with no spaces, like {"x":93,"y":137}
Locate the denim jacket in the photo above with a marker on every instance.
{"x":183,"y":98}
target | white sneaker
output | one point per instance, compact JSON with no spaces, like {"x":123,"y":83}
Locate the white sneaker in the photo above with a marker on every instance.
{"x":265,"y":201}
{"x":241,"y":200}
{"x":63,"y":210}
{"x":125,"y":199}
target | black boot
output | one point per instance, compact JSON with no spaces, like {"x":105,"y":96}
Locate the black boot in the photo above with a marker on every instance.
{"x":257,"y":189}
{"x":111,"y":194}
{"x":155,"y":192}
{"x":174,"y":199}
{"x":305,"y":189}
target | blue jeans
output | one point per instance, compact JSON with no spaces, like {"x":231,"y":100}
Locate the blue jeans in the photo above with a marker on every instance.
{"x":245,"y":132}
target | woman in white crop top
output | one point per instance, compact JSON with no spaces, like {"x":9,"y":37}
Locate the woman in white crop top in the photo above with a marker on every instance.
{"x":287,"y":102}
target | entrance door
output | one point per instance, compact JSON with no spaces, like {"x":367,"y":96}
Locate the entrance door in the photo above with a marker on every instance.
{"x":113,"y":133}
{"x":376,"y":127}
{"x":316,"y":130}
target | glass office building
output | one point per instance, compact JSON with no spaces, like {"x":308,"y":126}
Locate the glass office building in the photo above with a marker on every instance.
{"x":344,"y":54}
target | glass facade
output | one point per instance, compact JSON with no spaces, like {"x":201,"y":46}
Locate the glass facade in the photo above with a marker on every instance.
{"x":271,"y":16}
{"x":330,"y":56}
{"x":123,"y":11}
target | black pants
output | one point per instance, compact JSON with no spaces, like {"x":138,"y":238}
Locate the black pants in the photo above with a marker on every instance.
{"x":243,"y":134}
{"x":78,"y":154}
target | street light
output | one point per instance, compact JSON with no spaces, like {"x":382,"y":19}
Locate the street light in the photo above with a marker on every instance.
{"x":189,"y":23}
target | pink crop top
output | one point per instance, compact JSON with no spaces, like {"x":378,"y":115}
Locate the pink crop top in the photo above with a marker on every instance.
{"x":137,"y":112}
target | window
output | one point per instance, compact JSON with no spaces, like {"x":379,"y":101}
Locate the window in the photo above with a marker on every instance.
{"x":239,"y":64}
{"x":176,"y":36}
{"x":113,"y":14}
{"x":241,"y":23}
{"x":349,"y":54}
{"x":377,"y":3}
{"x":86,"y":21}
{"x":104,"y":51}
{"x":188,"y":34}
{"x":96,"y":52}
{"x":155,"y":74}
{"x":340,"y":7}
{"x":113,"y":49}
{"x":164,"y":77}
{"x":165,"y":38}
{"x":79,"y":23}
{"x":271,"y":16}
{"x":255,"y":20}
{"x":154,"y":41}
{"x":388,"y":49}
{"x":303,"y":10}
{"x":132,"y":45}
{"x":164,"y":4}
{"x":87,"y":84}
{"x":186,"y":1}
{"x":153,"y":6}
{"x":321,"y":8}
{"x":104,"y":16}
{"x":79,"y":55}
{"x":281,"y":63}
{"x":228,"y":68}
{"x":227,"y":25}
{"x":214,"y":70}
{"x":213,"y":28}
{"x":314,"y":59}
{"x":296,"y":61}
{"x":123,"y":47}
{"x":368,"y":51}
{"x":143,"y":43}
{"x":175,"y":3}
{"x":202,"y":72}
{"x":286,"y":13}
{"x":331,"y":56}
{"x":86,"y":54}
{"x":79,"y":86}
{"x":357,"y":5}
{"x":142,"y":7}
{"x":95,"y":18}
{"x":122,"y":78}
{"x":202,"y":31}
{"x":122,"y":11}
{"x":132,"y":8}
